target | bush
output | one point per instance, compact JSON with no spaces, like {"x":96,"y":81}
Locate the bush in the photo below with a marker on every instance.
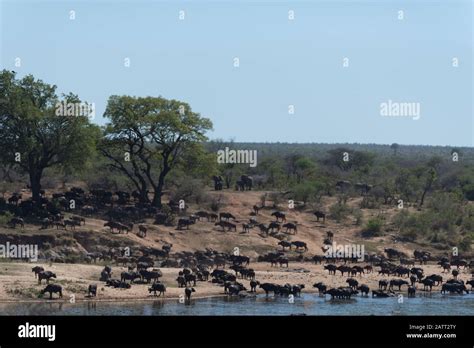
{"x":276,"y":198}
{"x":303,"y":192}
{"x":339,"y":211}
{"x":465,"y":244}
{"x":5,"y":217}
{"x":308,"y":192}
{"x":73,"y":259}
{"x":357,"y":213}
{"x":410,"y":225}
{"x":409,"y":235}
{"x":439,"y":238}
{"x":467,"y":223}
{"x":215,"y":204}
{"x":369,"y":202}
{"x":373,"y":228}
{"x":170,"y":217}
{"x":189,"y":190}
{"x":468,"y":191}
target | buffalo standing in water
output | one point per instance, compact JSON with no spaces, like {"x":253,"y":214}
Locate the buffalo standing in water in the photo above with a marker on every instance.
{"x":427,"y":283}
{"x":471,"y":283}
{"x":188,"y":292}
{"x":381,"y":293}
{"x":321,"y":287}
{"x":364,"y":289}
{"x":454,"y":287}
{"x":383,"y":284}
{"x":253,"y":285}
{"x":397,"y":282}
{"x":437,"y":279}
{"x":341,"y":293}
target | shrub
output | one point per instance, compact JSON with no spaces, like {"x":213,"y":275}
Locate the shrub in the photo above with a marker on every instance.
{"x":5,"y":217}
{"x":465,"y":244}
{"x":276,"y":198}
{"x":169,"y":215}
{"x":468,"y":191}
{"x":409,"y":235}
{"x":339,"y":211}
{"x":188,"y":189}
{"x":369,"y":202}
{"x":439,"y":238}
{"x":215,"y":204}
{"x":373,"y":228}
{"x":308,"y":192}
{"x":357,"y":213}
{"x":410,"y":225}
{"x":303,"y":192}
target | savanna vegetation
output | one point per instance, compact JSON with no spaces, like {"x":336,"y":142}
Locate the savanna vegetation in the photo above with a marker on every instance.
{"x":158,"y":147}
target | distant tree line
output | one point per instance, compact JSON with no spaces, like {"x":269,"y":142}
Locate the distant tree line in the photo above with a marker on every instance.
{"x":156,"y":146}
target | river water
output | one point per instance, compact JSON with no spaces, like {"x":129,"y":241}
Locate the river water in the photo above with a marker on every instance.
{"x":309,"y":304}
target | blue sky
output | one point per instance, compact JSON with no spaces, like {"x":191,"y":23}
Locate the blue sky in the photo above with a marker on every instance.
{"x":282,"y":63}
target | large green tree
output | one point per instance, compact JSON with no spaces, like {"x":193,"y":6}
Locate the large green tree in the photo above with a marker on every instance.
{"x":34,"y":136}
{"x":346,"y":159}
{"x":147,"y":137}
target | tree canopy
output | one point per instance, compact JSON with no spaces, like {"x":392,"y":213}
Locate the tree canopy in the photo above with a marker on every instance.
{"x":33,"y":137}
{"x":147,"y":137}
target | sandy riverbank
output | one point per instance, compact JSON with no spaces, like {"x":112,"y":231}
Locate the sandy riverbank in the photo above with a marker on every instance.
{"x":19,"y":284}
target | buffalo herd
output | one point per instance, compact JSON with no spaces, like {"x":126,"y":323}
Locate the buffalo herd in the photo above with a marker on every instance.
{"x":123,"y":210}
{"x":210,"y":266}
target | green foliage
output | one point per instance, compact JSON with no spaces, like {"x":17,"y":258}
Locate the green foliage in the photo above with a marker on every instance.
{"x":442,"y":221}
{"x":468,"y":190}
{"x":308,"y":191}
{"x":215,"y":204}
{"x":395,"y":148}
{"x":31,"y":127}
{"x":276,"y":198}
{"x":196,"y":162}
{"x":409,"y":235}
{"x":5,"y":217}
{"x":373,"y":227}
{"x":170,"y":216}
{"x":165,"y":136}
{"x":304,"y":167}
{"x":190,"y":190}
{"x":409,"y":225}
{"x":346,"y":159}
{"x":339,"y":211}
{"x":357,"y":213}
{"x":157,"y":134}
{"x":465,"y":245}
{"x":273,"y":169}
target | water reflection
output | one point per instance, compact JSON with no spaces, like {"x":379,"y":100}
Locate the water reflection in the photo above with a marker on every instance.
{"x":309,"y":304}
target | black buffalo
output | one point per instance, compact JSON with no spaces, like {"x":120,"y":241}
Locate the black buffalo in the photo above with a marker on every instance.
{"x":53,"y":288}
{"x":161,"y":288}
{"x":45,"y":275}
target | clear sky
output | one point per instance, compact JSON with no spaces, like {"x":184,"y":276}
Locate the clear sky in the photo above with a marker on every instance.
{"x":282,"y":62}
